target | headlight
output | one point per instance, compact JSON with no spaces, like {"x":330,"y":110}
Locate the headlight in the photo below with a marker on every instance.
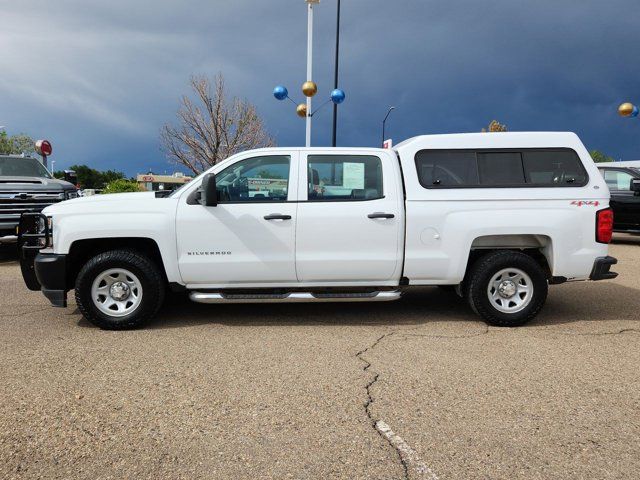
{"x":69,"y":194}
{"x":42,"y":241}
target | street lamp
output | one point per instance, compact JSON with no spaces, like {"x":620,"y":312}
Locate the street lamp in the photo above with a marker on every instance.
{"x":384,"y":122}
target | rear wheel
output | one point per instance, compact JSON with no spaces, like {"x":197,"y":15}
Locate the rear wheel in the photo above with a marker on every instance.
{"x":506,"y":288}
{"x":119,"y":289}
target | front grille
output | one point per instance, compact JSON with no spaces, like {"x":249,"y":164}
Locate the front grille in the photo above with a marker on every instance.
{"x":13,"y":204}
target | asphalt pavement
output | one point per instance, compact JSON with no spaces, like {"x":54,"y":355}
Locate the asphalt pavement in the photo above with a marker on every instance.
{"x":418,"y":388}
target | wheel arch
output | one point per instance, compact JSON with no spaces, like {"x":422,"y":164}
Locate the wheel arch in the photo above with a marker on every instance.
{"x":537,"y":246}
{"x":80,"y":251}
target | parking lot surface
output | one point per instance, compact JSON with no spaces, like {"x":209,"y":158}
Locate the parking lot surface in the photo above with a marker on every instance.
{"x":418,"y":388}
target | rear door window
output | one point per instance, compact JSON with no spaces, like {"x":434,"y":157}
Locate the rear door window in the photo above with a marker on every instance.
{"x":618,"y":180}
{"x":334,"y":178}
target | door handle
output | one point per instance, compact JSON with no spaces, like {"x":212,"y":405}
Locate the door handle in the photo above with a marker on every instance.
{"x":277,"y":216}
{"x":381,"y":215}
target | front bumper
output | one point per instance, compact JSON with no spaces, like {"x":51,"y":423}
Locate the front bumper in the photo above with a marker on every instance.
{"x":601,"y":268}
{"x":51,"y":272}
{"x":8,"y":233}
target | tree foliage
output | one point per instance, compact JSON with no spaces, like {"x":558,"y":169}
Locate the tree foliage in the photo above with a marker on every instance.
{"x":121,"y":185}
{"x":16,"y":144}
{"x":212,"y":127}
{"x":600,"y":157}
{"x":91,"y":178}
{"x":495,"y":126}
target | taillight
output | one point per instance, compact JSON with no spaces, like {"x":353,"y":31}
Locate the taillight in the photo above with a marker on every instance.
{"x":604,"y":225}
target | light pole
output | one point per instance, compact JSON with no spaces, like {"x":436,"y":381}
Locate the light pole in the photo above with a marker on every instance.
{"x":335,"y":79}
{"x":384,"y":122}
{"x":310,"y":4}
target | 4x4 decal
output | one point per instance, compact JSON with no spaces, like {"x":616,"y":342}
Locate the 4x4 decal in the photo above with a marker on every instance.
{"x":591,"y":203}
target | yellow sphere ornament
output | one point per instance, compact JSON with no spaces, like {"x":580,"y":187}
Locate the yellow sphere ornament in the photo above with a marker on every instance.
{"x":309,"y":88}
{"x":626,"y":109}
{"x":301,"y":110}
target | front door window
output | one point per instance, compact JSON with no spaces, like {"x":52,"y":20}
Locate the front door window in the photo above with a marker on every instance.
{"x":257,"y":179}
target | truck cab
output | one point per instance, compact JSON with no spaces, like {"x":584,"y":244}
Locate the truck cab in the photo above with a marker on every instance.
{"x":497,"y":217}
{"x":624,"y":185}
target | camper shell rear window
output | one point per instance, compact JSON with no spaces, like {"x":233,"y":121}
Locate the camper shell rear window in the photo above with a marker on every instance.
{"x":491,"y":168}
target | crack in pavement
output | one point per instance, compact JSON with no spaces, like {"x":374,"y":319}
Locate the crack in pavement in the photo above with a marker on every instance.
{"x":408,"y":457}
{"x":597,"y":334}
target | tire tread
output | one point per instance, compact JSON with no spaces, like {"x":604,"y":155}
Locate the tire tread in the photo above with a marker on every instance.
{"x":124,"y":257}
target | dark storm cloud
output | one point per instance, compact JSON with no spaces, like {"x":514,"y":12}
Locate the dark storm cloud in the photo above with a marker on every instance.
{"x":100,"y":78}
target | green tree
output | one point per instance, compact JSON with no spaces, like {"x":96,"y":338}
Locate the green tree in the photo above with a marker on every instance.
{"x":600,"y":157}
{"x":90,"y":177}
{"x":16,"y":144}
{"x":121,"y":185}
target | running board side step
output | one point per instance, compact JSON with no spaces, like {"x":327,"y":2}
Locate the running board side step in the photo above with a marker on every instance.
{"x":294,"y":297}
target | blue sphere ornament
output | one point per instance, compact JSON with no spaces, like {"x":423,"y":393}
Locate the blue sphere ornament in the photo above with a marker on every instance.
{"x":337,"y":96}
{"x":280,"y":92}
{"x":634,"y":112}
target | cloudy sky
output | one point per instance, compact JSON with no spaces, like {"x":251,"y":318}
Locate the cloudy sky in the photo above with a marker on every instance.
{"x":99,"y":78}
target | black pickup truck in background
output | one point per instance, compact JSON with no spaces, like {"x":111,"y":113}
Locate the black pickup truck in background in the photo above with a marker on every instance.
{"x":624,"y":185}
{"x":26,"y":186}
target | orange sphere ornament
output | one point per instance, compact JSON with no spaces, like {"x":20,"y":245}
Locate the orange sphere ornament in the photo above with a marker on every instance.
{"x":301,"y":110}
{"x":309,"y":88}
{"x":626,"y":109}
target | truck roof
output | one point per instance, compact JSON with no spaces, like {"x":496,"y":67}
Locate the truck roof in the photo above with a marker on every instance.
{"x":492,"y":140}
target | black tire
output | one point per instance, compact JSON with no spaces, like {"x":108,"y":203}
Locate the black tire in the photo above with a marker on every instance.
{"x":479,"y":278}
{"x":147,"y":272}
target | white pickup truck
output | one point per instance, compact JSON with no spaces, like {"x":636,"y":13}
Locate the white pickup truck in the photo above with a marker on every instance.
{"x":495,"y":216}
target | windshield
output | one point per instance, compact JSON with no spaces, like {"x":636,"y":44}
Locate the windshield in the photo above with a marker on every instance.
{"x":22,"y":167}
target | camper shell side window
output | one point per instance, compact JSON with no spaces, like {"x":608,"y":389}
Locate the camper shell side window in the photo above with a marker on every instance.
{"x":493,"y":168}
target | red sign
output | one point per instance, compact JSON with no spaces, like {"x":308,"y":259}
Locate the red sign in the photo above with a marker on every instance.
{"x":148,"y":178}
{"x":43,"y":147}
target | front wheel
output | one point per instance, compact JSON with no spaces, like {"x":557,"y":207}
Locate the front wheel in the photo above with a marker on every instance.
{"x":506,"y":288}
{"x":119,"y":289}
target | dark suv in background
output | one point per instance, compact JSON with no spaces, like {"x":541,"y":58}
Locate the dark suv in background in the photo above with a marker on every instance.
{"x":26,"y":186}
{"x":625,"y":199}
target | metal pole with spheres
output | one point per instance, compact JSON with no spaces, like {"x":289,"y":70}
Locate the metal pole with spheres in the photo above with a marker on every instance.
{"x":628,"y":110}
{"x":309,"y":88}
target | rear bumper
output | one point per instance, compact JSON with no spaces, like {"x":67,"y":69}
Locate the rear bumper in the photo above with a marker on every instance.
{"x":51,"y":272}
{"x":601,"y":268}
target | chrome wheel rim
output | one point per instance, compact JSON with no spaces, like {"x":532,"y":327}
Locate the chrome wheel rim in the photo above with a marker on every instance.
{"x":510,"y":290}
{"x":116,"y":292}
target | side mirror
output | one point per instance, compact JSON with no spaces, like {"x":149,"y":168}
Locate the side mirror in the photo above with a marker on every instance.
{"x":71,"y":177}
{"x":635,"y":186}
{"x":209,"y":195}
